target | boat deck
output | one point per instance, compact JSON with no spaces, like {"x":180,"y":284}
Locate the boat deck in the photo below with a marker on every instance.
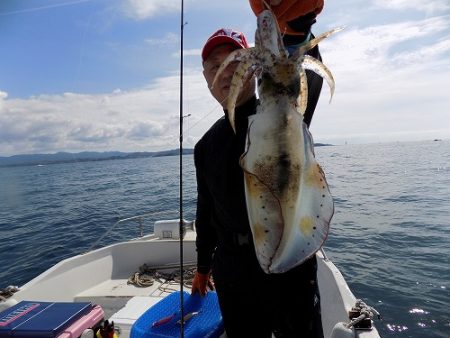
{"x":113,"y":294}
{"x":102,"y":277}
{"x":118,"y":288}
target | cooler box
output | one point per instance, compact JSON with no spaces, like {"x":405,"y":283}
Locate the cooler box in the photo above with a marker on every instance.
{"x":41,"y":319}
{"x":90,"y":320}
{"x":131,"y":312}
{"x":162,"y":319}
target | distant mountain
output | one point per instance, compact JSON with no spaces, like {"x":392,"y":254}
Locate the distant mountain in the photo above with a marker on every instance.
{"x":322,"y":145}
{"x":64,"y":157}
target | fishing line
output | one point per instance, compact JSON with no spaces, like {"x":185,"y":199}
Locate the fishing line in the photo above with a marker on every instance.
{"x":250,"y":78}
{"x":82,"y":49}
{"x":203,"y":118}
{"x":35,"y":9}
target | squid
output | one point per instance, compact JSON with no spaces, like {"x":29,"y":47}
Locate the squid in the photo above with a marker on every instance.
{"x":288,"y":200}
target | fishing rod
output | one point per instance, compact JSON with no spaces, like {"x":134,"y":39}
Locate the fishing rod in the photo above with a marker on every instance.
{"x":181,"y":172}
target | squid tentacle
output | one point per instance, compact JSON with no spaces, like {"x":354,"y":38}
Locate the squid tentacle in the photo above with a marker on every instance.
{"x":302,"y":100}
{"x":319,"y":68}
{"x":314,"y":42}
{"x":237,"y":55}
{"x":243,"y":73}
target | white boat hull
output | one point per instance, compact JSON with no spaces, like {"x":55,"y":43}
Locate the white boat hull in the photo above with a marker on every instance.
{"x":101,"y":277}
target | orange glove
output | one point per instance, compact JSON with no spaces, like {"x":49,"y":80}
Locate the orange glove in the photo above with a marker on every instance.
{"x":289,"y":10}
{"x":201,"y":282}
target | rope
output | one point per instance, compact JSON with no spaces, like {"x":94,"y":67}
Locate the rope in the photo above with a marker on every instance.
{"x":169,"y":281}
{"x":365,"y":312}
{"x":8,"y":292}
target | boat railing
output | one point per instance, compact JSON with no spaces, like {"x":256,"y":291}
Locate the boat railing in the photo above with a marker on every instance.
{"x":139,"y":219}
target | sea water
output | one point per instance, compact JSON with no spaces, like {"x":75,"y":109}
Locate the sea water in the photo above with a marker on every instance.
{"x":390,"y":234}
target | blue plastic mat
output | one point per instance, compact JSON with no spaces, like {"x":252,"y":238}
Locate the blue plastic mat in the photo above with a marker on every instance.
{"x":163,"y":318}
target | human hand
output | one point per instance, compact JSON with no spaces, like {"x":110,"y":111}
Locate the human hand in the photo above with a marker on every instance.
{"x":294,"y":17}
{"x":201,"y":282}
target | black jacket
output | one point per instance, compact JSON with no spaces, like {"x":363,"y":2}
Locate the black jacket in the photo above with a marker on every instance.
{"x":221,"y":220}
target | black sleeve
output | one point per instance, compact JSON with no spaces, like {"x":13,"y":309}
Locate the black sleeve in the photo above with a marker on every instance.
{"x":206,"y":240}
{"x":314,"y":88}
{"x":303,"y":24}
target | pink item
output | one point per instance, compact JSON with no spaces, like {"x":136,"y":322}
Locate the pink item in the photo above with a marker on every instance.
{"x":87,"y":321}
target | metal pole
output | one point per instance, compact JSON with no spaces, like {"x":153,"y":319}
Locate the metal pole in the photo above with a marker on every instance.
{"x":181,"y":173}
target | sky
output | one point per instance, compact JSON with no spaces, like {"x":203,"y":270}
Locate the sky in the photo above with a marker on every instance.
{"x":104,"y":75}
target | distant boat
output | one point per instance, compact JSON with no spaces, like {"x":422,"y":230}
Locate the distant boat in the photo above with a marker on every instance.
{"x":437,"y":139}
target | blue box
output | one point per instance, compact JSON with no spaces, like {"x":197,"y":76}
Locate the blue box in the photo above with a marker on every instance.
{"x":162,"y":320}
{"x":39,"y":319}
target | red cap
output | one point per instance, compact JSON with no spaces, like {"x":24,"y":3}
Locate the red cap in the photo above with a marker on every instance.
{"x":221,"y":37}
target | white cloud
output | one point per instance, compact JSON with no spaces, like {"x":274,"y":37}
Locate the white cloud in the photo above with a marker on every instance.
{"x":430,"y":6}
{"x":375,"y":46}
{"x":140,"y":120}
{"x":188,"y":52}
{"x":167,"y":39}
{"x":389,"y":83}
{"x":143,"y":9}
{"x":430,"y":52}
{"x":147,"y":9}
{"x":3,"y":95}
